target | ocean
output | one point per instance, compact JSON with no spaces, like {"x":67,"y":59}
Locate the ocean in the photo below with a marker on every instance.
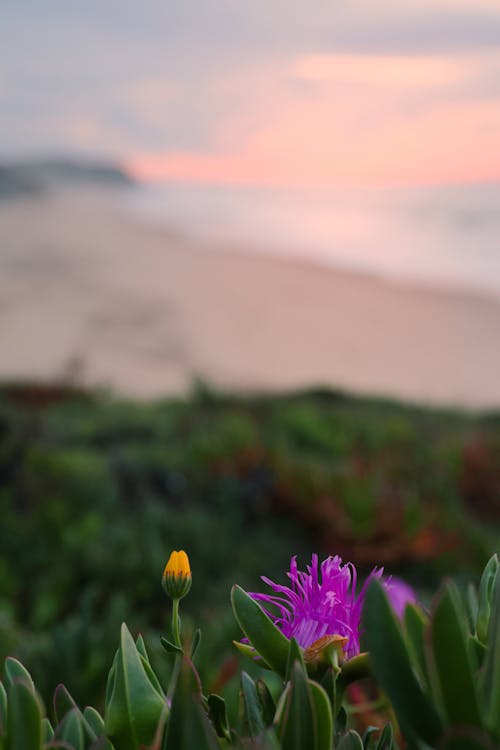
{"x":440,"y":235}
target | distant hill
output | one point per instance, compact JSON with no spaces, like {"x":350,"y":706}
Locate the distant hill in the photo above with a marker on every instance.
{"x":35,"y":177}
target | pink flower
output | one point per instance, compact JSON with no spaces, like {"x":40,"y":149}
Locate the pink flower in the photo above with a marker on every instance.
{"x":400,"y":594}
{"x":323,"y":601}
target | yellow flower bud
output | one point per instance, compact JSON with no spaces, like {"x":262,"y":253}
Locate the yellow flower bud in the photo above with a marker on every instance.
{"x":176,"y":578}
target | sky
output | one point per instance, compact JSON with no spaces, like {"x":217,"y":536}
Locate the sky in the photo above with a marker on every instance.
{"x":257,"y":91}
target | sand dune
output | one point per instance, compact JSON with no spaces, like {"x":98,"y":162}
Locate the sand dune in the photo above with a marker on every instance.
{"x":84,"y":287}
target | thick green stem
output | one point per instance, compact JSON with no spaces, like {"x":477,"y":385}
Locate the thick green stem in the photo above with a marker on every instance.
{"x":176,"y":623}
{"x":176,"y":637}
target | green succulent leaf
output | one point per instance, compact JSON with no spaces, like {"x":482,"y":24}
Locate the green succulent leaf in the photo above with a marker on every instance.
{"x":322,"y":715}
{"x":94,"y":720}
{"x":449,"y":655}
{"x":70,"y":730}
{"x":415,"y":623}
{"x":264,"y":636}
{"x":386,"y":739}
{"x":141,"y":647}
{"x":296,"y":724}
{"x":3,"y":709}
{"x":14,"y":671}
{"x":472,"y":602}
{"x":368,"y":737}
{"x":189,"y":727}
{"x":266,"y":701}
{"x":24,"y":718}
{"x":111,"y":679}
{"x":251,"y":707}
{"x":63,"y":702}
{"x":350,"y":741}
{"x":247,"y":650}
{"x":170,"y":647}
{"x":491,"y":673}
{"x":486,"y":585}
{"x":47,"y":731}
{"x":477,"y":650}
{"x":294,"y":656}
{"x":142,"y":651}
{"x":304,"y":716}
{"x":217,"y":713}
{"x":196,"y":642}
{"x":153,"y":679}
{"x":393,"y":669}
{"x":333,"y":689}
{"x":135,"y":706}
{"x":341,"y":720}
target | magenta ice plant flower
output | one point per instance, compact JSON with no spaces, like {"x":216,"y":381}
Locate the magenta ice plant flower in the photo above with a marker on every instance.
{"x":399,"y":593}
{"x":322,"y":601}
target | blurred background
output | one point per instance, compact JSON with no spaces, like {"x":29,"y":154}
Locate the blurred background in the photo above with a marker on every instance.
{"x":249,"y":307}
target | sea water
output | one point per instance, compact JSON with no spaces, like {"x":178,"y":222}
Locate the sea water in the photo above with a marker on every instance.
{"x":442,"y":235}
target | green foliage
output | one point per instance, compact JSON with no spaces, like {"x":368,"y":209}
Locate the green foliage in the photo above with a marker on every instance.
{"x":94,"y":490}
{"x":136,"y":702}
{"x":490,"y":683}
{"x":485,"y":595}
{"x":70,"y":730}
{"x":442,"y":682}
{"x":189,"y":726}
{"x":444,"y":690}
{"x":453,"y":670}
{"x":137,"y":713}
{"x":351,"y":741}
{"x":24,"y":716}
{"x":269,"y":642}
{"x":251,"y":709}
{"x":304,"y":715}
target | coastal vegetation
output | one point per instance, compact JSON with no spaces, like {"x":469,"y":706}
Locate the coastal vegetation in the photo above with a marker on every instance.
{"x":433,"y":676}
{"x":95,"y":490}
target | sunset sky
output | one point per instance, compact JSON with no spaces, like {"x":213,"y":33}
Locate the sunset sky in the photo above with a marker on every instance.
{"x":261,"y":91}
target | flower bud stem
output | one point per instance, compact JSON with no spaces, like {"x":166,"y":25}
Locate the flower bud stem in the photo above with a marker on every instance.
{"x":176,"y":636}
{"x":176,"y":623}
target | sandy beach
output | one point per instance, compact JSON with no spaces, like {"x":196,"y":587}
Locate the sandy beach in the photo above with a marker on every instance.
{"x":90,"y":292}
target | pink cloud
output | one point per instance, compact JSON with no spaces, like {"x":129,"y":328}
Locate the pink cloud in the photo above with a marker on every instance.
{"x":352,"y":119}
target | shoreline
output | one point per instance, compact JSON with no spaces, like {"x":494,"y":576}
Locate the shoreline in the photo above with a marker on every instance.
{"x":124,"y":303}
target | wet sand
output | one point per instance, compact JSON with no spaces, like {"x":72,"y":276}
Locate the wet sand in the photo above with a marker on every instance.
{"x":91,"y":293}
